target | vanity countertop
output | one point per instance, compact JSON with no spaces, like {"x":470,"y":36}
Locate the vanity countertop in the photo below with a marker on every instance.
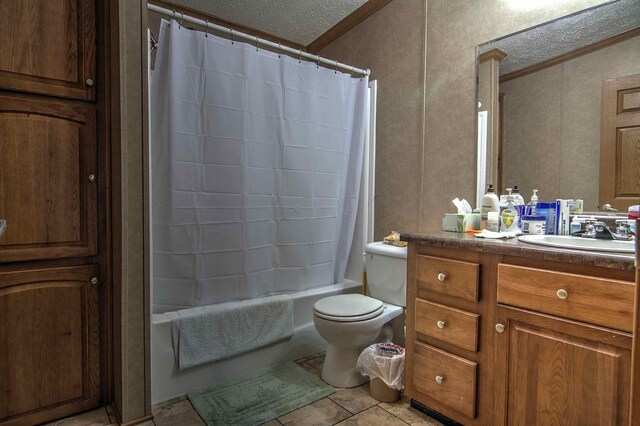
{"x":514,"y":247}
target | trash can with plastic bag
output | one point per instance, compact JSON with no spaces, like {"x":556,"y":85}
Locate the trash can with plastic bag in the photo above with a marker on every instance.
{"x":384,"y":363}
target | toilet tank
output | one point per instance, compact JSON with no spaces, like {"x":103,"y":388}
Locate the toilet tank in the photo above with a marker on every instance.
{"x":386,"y":268}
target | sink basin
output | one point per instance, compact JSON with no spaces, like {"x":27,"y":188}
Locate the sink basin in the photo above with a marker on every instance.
{"x":578,"y":243}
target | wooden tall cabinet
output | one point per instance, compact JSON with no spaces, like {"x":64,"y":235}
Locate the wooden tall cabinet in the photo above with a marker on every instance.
{"x":48,"y":179}
{"x":52,"y":258}
{"x":49,"y":47}
{"x":49,"y":343}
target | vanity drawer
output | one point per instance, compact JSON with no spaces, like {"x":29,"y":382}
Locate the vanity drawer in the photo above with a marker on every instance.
{"x":450,"y":325}
{"x":446,"y":378}
{"x":599,"y":301}
{"x":450,"y":277}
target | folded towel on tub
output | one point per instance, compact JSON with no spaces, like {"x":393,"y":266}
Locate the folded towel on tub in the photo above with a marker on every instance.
{"x":214,"y":332}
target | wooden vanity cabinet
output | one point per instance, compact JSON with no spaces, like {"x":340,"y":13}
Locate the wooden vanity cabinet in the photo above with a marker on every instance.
{"x":557,"y":371}
{"x":449,"y":332}
{"x":506,"y":340}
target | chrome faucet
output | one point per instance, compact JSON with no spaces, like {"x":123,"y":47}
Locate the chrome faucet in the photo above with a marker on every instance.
{"x":600,"y":231}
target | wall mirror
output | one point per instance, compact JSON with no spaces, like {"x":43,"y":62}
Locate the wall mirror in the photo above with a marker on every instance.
{"x":559,"y":108}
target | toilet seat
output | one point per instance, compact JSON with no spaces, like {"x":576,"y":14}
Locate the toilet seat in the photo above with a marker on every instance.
{"x":348,"y":308}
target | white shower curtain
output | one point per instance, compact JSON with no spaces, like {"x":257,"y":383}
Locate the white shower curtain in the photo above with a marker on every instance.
{"x":256,"y":163}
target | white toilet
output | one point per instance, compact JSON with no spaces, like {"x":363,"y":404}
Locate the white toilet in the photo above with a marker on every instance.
{"x":351,"y":322}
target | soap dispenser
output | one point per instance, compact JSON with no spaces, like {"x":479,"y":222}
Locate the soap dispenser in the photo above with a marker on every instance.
{"x":509,"y":217}
{"x":517,"y":198}
{"x":534,"y":201}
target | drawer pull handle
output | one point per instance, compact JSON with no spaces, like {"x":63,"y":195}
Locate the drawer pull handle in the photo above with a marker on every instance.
{"x":562,"y":294}
{"x":439,"y":379}
{"x":441,"y":324}
{"x":441,"y":277}
{"x":499,"y":328}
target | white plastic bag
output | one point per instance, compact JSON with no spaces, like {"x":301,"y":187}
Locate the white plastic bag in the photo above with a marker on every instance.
{"x":385,"y":361}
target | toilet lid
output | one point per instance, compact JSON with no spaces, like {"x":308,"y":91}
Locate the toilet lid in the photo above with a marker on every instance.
{"x":348,"y":307}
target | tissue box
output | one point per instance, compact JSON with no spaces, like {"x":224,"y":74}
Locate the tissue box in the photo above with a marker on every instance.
{"x":455,"y":222}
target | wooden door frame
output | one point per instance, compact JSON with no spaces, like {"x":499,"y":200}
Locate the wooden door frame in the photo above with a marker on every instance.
{"x":126,"y":64}
{"x":608,"y":153}
{"x":634,"y":409}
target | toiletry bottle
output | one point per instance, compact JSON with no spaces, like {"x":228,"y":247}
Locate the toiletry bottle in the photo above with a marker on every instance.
{"x":575,"y":227}
{"x":534,"y":201}
{"x":509,"y":216}
{"x":490,"y":203}
{"x":517,"y":198}
{"x":633,"y":215}
{"x":493,"y":221}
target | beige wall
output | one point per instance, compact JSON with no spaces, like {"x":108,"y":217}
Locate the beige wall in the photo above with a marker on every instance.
{"x":391,"y":44}
{"x":552,"y":124}
{"x":454,"y":29}
{"x":410,"y":196}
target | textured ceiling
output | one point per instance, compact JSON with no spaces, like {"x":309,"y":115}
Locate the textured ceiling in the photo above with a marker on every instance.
{"x":301,"y":21}
{"x":565,"y":35}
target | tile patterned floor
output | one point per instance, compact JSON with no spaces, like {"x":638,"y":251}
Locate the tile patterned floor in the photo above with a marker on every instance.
{"x":346,"y":407}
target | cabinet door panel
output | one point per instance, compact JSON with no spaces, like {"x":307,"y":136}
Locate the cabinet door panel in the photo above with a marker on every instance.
{"x":47,"y":152}
{"x":48,"y":47}
{"x":558,"y":376}
{"x":49,"y":340}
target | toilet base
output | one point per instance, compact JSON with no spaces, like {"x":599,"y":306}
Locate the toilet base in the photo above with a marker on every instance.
{"x":339,"y":369}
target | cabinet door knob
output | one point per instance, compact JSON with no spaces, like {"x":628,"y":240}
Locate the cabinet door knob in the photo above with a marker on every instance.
{"x":92,"y":178}
{"x":441,"y":324}
{"x":94,"y":280}
{"x":439,"y":379}
{"x":499,"y":328}
{"x":89,"y":82}
{"x":441,"y":277}
{"x":562,"y":294}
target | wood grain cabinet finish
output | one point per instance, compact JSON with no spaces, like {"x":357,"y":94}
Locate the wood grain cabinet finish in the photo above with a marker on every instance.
{"x":48,"y":179}
{"x":446,"y":378}
{"x":451,"y":277}
{"x":48,"y":47}
{"x":594,"y":300}
{"x":447,"y":324}
{"x":560,"y":372}
{"x":522,"y":341}
{"x":49,"y":341}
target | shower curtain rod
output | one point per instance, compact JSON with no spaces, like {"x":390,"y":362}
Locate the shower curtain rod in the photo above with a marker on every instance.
{"x":257,"y":40}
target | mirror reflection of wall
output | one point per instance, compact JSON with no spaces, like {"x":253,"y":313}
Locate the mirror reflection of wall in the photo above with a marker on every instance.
{"x":552,"y":123}
{"x":551,"y":93}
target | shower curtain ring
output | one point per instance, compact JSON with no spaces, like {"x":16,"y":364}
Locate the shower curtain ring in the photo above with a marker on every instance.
{"x":300,"y":56}
{"x":279,"y":50}
{"x":335,"y":69}
{"x":231,"y":31}
{"x":181,"y":23}
{"x":206,"y":29}
{"x":173,"y":17}
{"x":317,"y":62}
{"x":257,"y":44}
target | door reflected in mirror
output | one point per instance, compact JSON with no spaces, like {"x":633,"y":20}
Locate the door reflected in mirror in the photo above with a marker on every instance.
{"x":567,"y":102}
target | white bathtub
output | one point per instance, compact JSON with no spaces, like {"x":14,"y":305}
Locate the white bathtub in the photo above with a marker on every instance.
{"x":167,"y":382}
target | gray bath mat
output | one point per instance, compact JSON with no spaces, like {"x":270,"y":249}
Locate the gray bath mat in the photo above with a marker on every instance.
{"x":258,"y":397}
